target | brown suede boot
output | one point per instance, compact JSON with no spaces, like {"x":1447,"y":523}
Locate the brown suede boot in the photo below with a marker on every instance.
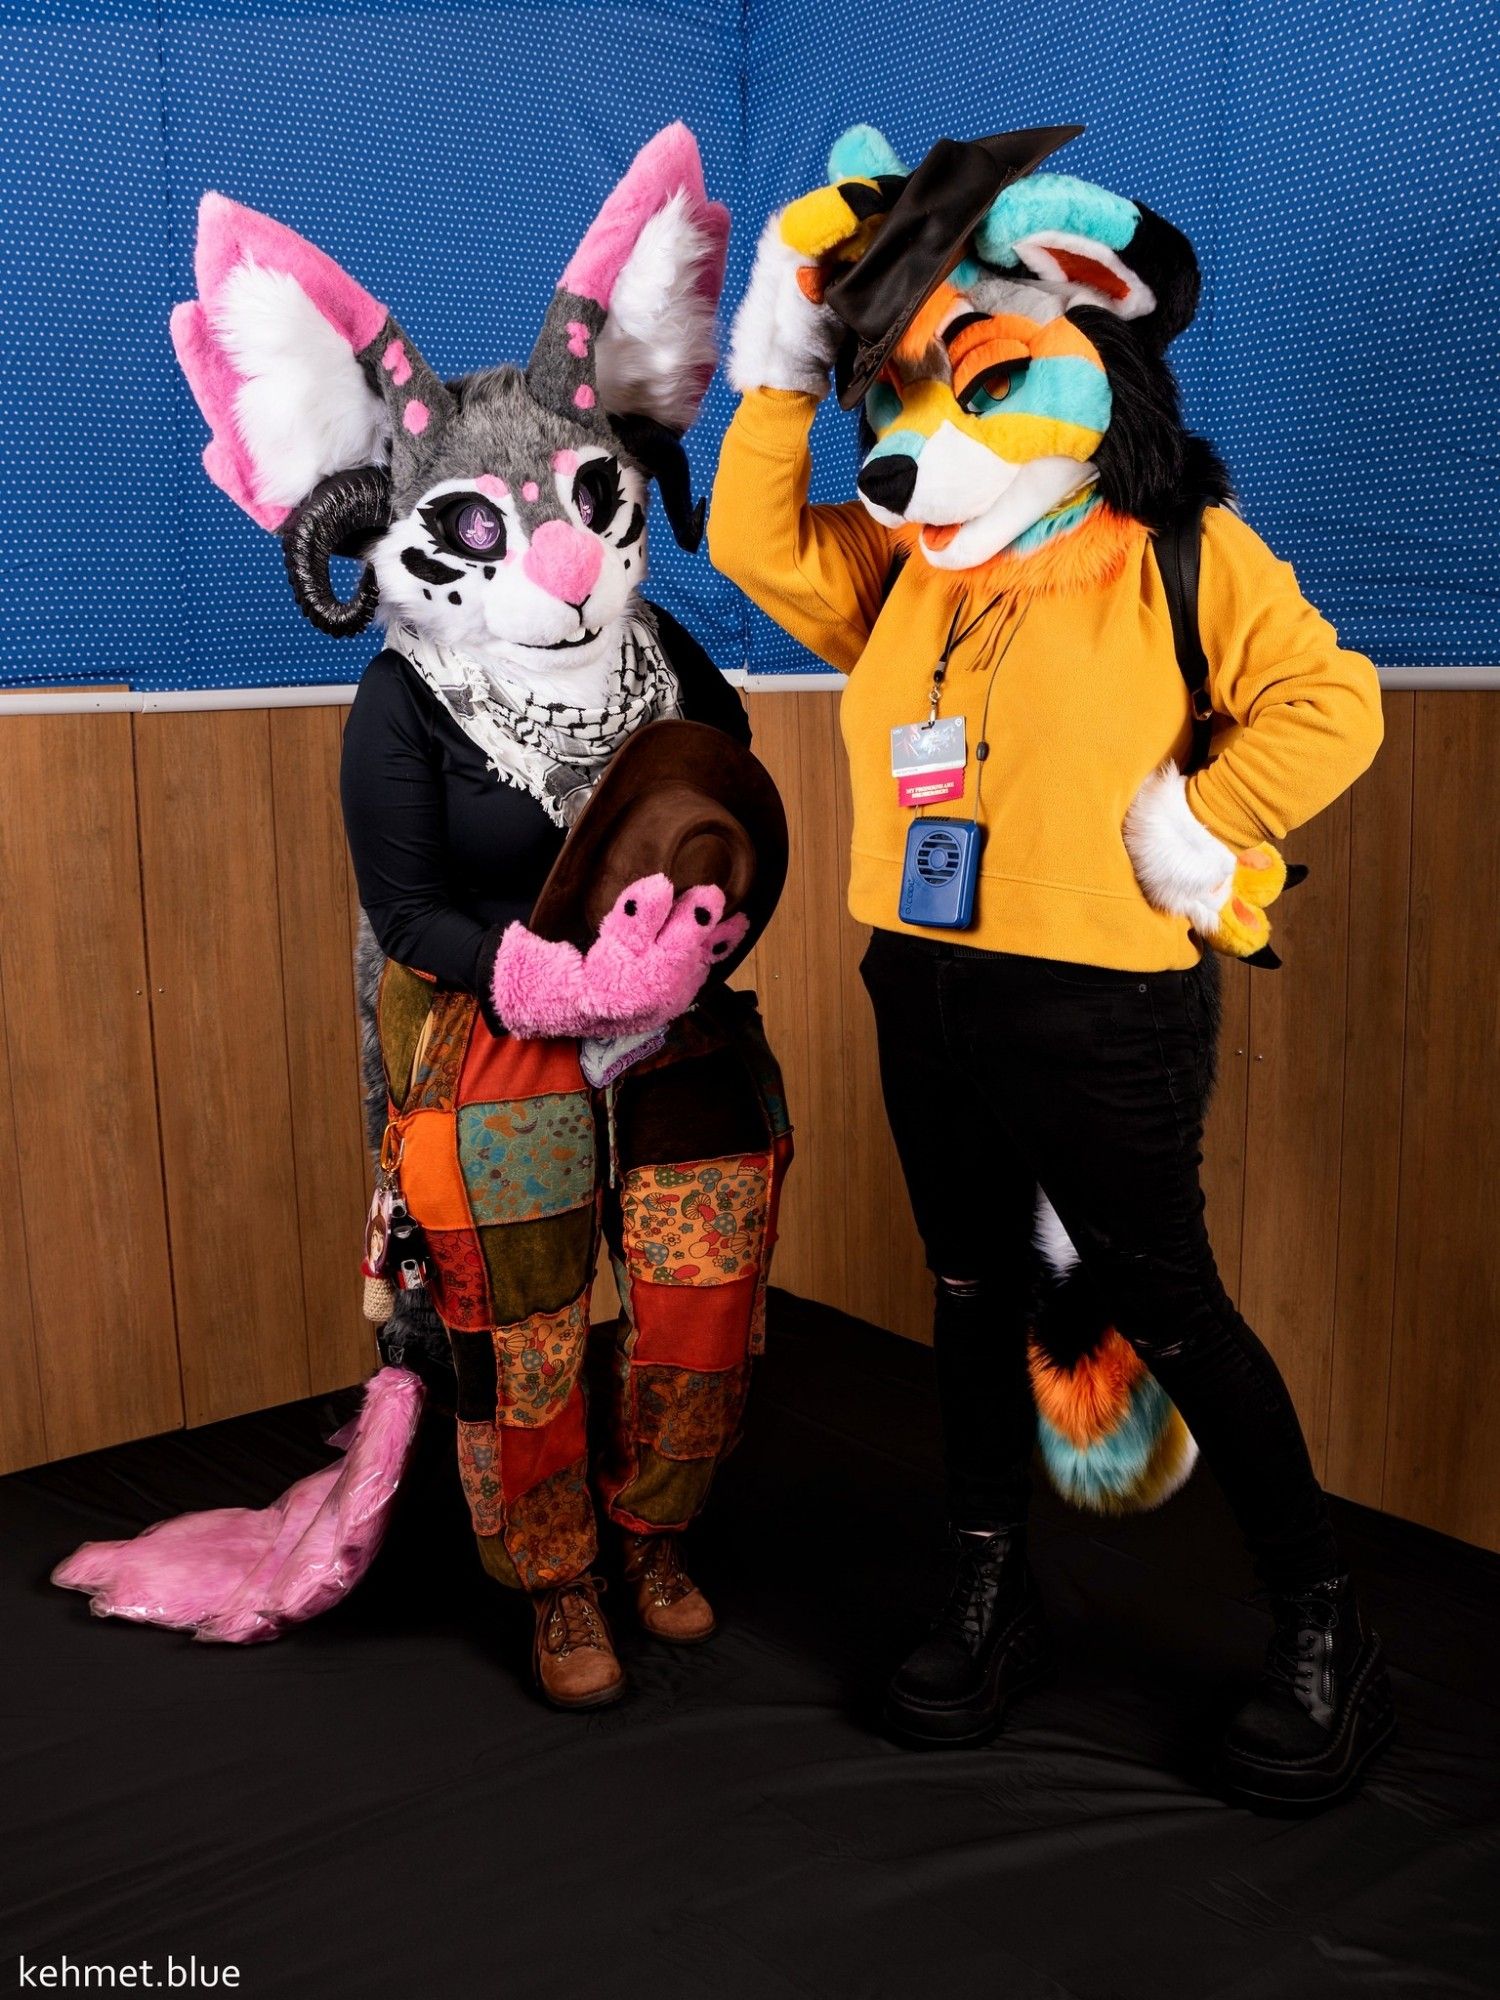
{"x":574,"y":1655}
{"x":667,"y":1601}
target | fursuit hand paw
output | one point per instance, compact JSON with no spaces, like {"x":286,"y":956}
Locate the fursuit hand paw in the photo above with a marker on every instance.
{"x":1242,"y":929}
{"x":1187,"y":871}
{"x":784,"y":337}
{"x":653,"y":953}
{"x":537,"y":987}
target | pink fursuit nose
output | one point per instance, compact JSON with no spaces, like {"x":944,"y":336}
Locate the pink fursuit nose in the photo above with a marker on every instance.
{"x":563,"y":561}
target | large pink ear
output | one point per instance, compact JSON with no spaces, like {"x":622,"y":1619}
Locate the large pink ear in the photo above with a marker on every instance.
{"x":630,"y":330}
{"x":283,"y":351}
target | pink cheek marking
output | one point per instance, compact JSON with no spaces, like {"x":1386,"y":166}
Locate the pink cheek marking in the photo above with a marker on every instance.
{"x":578,"y":338}
{"x":583,"y":396}
{"x":414,"y":417}
{"x":491,"y":487}
{"x":530,"y":491}
{"x":565,"y":461}
{"x":397,"y":363}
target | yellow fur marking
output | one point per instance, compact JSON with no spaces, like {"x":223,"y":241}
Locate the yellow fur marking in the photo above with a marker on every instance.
{"x":819,"y":222}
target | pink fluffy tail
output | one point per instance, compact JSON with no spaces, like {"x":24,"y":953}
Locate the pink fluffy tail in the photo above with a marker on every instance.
{"x":241,"y":1574}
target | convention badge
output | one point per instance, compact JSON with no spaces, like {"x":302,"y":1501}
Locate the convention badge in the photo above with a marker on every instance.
{"x":927,"y":761}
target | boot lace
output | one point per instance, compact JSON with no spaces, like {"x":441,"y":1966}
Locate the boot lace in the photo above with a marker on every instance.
{"x":970,"y":1602}
{"x":574,"y":1622}
{"x":659,"y":1567}
{"x":1297,"y":1653}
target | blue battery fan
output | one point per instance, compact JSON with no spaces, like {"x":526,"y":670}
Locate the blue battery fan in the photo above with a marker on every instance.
{"x":940,"y":873}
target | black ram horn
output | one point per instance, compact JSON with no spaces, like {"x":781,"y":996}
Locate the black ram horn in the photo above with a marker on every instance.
{"x":340,"y":517}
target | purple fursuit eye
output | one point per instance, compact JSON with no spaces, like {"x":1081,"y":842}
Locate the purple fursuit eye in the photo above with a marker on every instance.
{"x":466,"y":526}
{"x":477,"y":528}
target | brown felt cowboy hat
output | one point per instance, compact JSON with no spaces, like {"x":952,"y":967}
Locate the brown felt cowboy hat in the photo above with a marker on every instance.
{"x":922,"y":238}
{"x":676,"y":799}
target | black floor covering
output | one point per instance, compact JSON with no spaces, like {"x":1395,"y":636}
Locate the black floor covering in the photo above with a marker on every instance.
{"x":377,"y":1806}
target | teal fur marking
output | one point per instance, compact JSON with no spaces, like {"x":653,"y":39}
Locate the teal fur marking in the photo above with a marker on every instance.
{"x":1064,"y":386}
{"x":862,"y":153}
{"x":898,"y":444}
{"x":1054,"y":202}
{"x":1061,"y":523}
{"x":1111,"y":1470}
{"x":882,"y":406}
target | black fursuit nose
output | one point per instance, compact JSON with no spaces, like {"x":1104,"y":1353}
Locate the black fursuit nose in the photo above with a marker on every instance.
{"x":889,"y":481}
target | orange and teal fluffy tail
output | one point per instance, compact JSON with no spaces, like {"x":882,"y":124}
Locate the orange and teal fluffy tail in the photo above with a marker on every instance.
{"x":1109,"y":1436}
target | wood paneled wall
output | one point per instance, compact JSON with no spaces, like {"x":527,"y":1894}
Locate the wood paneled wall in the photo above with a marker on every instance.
{"x":181,"y":1122}
{"x":183,"y":1174}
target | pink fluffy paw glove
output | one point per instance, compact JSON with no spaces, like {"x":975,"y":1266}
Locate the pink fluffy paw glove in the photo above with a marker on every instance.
{"x":647,"y":965}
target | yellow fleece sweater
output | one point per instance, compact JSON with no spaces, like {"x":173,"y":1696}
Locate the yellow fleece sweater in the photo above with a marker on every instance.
{"x":1087,"y":702}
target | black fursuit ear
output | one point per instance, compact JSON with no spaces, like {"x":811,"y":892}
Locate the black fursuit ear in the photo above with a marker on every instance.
{"x":1169,"y":264}
{"x":660,"y":455}
{"x":1149,"y":466}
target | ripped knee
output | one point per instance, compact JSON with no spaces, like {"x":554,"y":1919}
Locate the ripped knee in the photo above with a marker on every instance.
{"x":958,"y":1288}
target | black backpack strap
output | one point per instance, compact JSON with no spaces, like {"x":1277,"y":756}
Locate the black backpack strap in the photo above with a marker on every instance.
{"x":1178,"y":549}
{"x":892,"y":576}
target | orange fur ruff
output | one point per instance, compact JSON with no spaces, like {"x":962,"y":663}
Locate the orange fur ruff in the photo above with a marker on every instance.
{"x":1087,"y":1402}
{"x":1093,"y":553}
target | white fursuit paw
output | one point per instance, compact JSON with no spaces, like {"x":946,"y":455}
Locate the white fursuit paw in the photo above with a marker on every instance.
{"x":781,"y":339}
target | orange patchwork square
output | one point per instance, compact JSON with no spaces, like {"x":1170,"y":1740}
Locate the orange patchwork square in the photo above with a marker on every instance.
{"x":706,"y":1328}
{"x":499,"y":1066}
{"x":430,"y":1176}
{"x":527,"y":1457}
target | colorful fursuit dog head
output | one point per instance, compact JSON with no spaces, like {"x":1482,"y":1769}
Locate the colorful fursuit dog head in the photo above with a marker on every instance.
{"x":504,"y":509}
{"x":1031,"y":388}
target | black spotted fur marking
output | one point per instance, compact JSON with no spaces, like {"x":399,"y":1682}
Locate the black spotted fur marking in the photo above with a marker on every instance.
{"x":423,"y":565}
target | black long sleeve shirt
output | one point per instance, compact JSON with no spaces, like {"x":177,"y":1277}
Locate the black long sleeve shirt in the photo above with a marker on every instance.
{"x":443,"y":851}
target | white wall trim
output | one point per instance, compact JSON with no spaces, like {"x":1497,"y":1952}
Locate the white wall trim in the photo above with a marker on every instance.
{"x":67,"y":701}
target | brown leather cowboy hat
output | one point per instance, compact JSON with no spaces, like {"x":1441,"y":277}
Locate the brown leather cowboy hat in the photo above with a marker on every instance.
{"x":676,"y":799}
{"x":922,"y":238}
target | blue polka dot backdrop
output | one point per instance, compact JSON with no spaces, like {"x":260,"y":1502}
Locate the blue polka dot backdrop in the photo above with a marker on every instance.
{"x":1335,"y":167}
{"x":449,"y":157}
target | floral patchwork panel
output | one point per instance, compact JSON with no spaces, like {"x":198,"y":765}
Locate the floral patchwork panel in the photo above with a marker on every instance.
{"x":440,"y":1052}
{"x":528,"y":1158}
{"x":458,"y":1280}
{"x":681,"y":1414}
{"x":537,"y":1363}
{"x":550,"y":1533}
{"x":479,"y":1473}
{"x":702,"y":1224}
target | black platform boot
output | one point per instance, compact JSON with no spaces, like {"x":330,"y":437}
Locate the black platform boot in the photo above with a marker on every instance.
{"x":988,"y":1644}
{"x":1324,"y":1707}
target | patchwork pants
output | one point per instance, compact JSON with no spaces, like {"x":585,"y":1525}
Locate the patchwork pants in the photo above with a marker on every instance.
{"x":513,"y":1166}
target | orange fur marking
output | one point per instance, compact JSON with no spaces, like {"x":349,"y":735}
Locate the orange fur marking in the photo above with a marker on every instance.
{"x":1087,"y":1402}
{"x":1093,"y":553}
{"x":923,"y":330}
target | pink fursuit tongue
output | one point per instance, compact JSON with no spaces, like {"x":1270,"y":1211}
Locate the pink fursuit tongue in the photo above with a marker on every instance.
{"x":241,"y":1574}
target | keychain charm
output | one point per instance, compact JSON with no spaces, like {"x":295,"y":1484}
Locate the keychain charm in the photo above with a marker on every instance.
{"x":382,"y":1203}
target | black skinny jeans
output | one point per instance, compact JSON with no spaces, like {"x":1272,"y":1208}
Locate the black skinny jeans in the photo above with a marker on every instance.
{"x":1004,"y":1074}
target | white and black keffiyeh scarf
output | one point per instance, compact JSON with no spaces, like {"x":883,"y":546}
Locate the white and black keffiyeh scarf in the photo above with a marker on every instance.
{"x":553,"y":749}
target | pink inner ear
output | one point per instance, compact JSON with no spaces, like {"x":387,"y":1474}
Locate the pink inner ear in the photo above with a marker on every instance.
{"x":214,"y":383}
{"x":664,"y":166}
{"x":227,"y":233}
